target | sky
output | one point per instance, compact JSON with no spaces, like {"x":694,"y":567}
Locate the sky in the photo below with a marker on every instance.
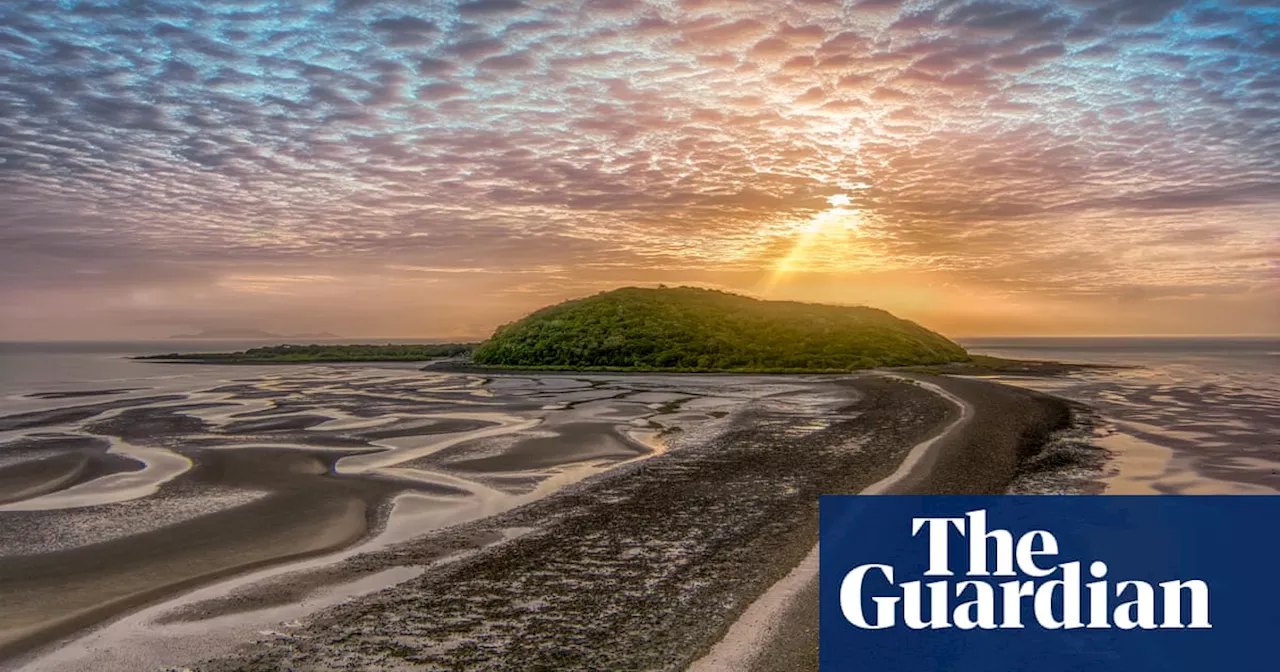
{"x":434,"y":169}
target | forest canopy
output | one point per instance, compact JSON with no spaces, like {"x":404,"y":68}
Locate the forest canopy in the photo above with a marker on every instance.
{"x":692,"y":329}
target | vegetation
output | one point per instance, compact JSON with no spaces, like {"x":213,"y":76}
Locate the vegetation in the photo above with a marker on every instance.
{"x":664,"y":329}
{"x":983,"y":365}
{"x":292,"y":354}
{"x":690,"y":329}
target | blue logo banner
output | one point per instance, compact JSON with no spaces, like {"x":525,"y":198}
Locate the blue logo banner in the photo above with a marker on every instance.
{"x":1049,"y":583}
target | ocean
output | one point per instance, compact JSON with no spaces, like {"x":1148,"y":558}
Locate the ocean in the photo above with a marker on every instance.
{"x":1192,"y":415}
{"x":235,"y":463}
{"x":44,"y":368}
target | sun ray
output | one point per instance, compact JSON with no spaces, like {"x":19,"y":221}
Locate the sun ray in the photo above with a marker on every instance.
{"x":821,"y":241}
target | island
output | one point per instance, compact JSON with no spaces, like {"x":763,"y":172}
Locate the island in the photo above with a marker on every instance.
{"x":663,"y":329}
{"x":701,"y":330}
{"x":302,"y":354}
{"x":614,"y":440}
{"x":675,"y":330}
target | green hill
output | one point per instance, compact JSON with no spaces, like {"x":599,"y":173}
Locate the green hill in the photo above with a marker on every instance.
{"x":690,"y":329}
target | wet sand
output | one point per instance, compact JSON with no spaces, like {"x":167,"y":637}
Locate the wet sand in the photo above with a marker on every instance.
{"x":54,"y":594}
{"x":1180,"y":427}
{"x":111,"y":506}
{"x":303,"y":510}
{"x":525,"y":521}
{"x":33,"y":478}
{"x":647,"y":568}
{"x":41,"y":465}
{"x":994,"y":432}
{"x":72,"y":394}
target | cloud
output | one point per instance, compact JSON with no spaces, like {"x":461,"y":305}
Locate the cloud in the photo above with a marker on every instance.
{"x":489,"y":7}
{"x":405,"y":31}
{"x":986,"y":143}
{"x":507,"y":63}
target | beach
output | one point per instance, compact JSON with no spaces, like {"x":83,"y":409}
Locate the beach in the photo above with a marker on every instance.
{"x":1184,"y":416}
{"x":527,"y":513}
{"x":384,"y":517}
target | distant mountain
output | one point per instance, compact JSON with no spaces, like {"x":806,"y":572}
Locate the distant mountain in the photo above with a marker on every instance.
{"x":248,"y":335}
{"x":691,"y":329}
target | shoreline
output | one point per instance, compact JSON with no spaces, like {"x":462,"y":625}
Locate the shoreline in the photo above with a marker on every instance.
{"x":977,"y":366}
{"x":275,"y":362}
{"x":744,"y":466}
{"x":678,"y":623}
{"x":301,"y":514}
{"x":781,"y":635}
{"x":139,"y":588}
{"x":757,"y":635}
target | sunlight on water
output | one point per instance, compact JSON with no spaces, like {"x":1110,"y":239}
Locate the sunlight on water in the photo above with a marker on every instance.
{"x":1196,"y":416}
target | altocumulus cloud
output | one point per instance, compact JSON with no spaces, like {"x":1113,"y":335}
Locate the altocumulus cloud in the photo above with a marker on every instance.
{"x":1084,"y":151}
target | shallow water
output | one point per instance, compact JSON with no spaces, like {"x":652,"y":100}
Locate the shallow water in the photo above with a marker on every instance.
{"x":1195,"y":415}
{"x":423,"y":450}
{"x":390,"y":421}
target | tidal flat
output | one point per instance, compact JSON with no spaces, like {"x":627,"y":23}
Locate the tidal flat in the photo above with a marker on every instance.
{"x":359,"y":517}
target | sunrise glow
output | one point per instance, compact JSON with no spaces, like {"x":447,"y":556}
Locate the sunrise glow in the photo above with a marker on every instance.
{"x":437,"y":169}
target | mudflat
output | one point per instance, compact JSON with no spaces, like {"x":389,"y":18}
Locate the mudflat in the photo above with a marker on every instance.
{"x":129,"y":501}
{"x":1008,"y":435}
{"x":545,"y":520}
{"x":647,"y":567}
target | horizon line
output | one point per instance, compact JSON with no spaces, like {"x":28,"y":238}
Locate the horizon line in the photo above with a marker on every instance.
{"x":463,"y":339}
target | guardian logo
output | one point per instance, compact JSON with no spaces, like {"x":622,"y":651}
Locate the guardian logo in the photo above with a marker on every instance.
{"x":1048,"y":583}
{"x":1035,"y":582}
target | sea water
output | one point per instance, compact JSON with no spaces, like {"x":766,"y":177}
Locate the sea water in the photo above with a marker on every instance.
{"x":1193,"y":415}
